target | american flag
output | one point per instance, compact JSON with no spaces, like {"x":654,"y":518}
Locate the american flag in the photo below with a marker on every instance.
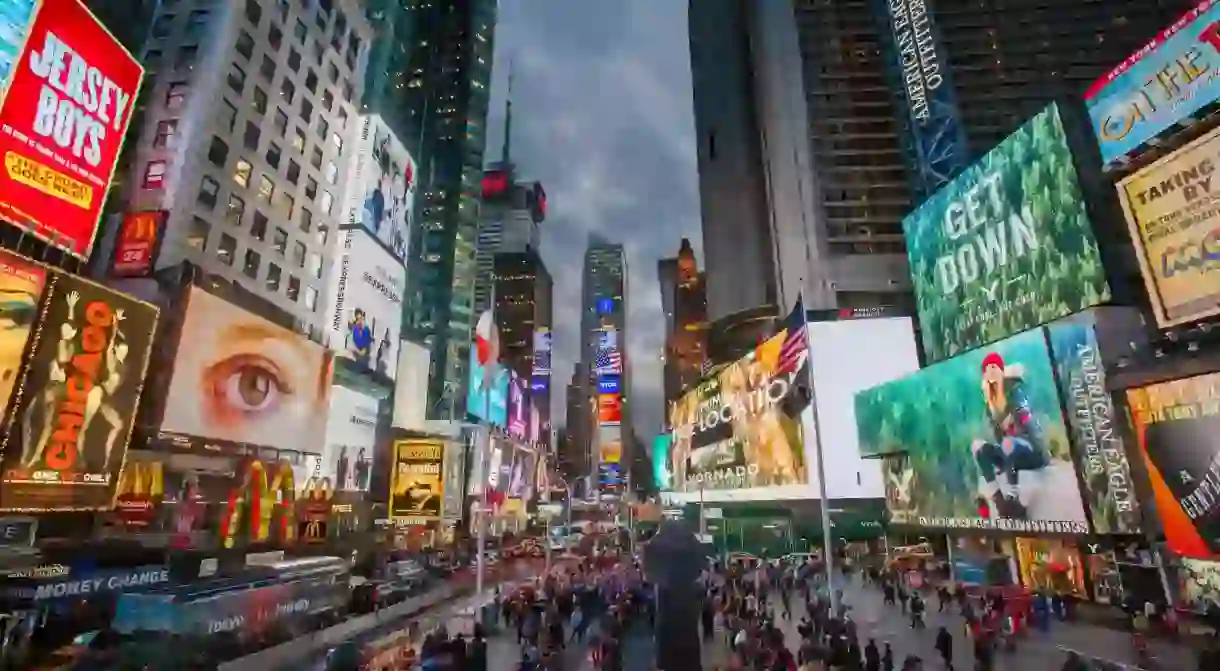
{"x":608,"y":362}
{"x":792,"y":352}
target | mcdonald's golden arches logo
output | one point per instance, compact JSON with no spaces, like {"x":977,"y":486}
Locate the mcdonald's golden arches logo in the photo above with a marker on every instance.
{"x":262,"y":501}
{"x":135,"y":249}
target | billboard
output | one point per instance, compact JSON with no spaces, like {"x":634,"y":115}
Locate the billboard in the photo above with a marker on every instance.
{"x":976,"y":442}
{"x":381,"y":185}
{"x":609,"y":360}
{"x":1006,"y":246}
{"x":76,"y":398}
{"x":738,"y":429}
{"x":241,"y":379}
{"x":661,"y":474}
{"x":1175,"y":226}
{"x":21,"y":285}
{"x":543,"y":340}
{"x":518,"y":407}
{"x":366,"y":303}
{"x":609,"y":384}
{"x":1166,"y":80}
{"x":921,"y":65}
{"x":346,"y":462}
{"x":454,"y":466}
{"x":609,"y":409}
{"x":418,"y":486}
{"x":411,"y":386}
{"x":1177,"y":425}
{"x":487,"y":391}
{"x":139,"y":241}
{"x":68,"y":93}
{"x":522,"y":473}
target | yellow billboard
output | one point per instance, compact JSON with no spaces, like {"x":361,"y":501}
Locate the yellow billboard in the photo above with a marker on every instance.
{"x":417,"y":487}
{"x":1173,"y":211}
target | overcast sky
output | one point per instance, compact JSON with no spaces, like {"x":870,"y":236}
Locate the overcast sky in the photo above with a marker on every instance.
{"x":602,"y":117}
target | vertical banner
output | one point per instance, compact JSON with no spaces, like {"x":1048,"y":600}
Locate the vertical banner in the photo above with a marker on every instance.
{"x":21,"y":285}
{"x":74,"y":405}
{"x":135,"y":252}
{"x":417,"y":489}
{"x":455,"y":468}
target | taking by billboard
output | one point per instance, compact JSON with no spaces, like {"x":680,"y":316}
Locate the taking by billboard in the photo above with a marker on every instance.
{"x":76,"y":398}
{"x":348,"y":456}
{"x":1163,"y":82}
{"x":1177,"y":424}
{"x":239,"y":378}
{"x":21,"y":285}
{"x":418,"y":487}
{"x":68,"y":93}
{"x":976,"y":442}
{"x":980,"y":249}
{"x":1175,"y":226}
{"x":381,"y":185}
{"x":135,"y":251}
{"x":366,"y":303}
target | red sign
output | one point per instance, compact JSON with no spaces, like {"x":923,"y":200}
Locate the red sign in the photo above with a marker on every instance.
{"x":136,"y":247}
{"x":609,"y":409}
{"x":69,"y":99}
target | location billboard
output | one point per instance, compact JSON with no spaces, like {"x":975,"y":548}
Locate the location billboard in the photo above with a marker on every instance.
{"x":365,"y":306}
{"x":1174,"y":217}
{"x":1163,"y":82}
{"x":982,"y":248}
{"x":417,"y":484}
{"x":487,"y":391}
{"x":381,"y":185}
{"x":69,"y":90}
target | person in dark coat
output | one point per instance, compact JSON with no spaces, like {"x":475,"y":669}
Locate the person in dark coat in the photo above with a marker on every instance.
{"x":872,"y":656}
{"x":944,"y":645}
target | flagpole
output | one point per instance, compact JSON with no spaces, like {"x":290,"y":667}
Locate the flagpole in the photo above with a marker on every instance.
{"x":824,"y":502}
{"x":485,"y":453}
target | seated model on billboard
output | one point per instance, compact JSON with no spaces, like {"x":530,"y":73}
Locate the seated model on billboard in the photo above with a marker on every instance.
{"x":1016,"y":445}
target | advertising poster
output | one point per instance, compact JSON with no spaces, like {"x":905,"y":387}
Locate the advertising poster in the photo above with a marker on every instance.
{"x":347,"y":459}
{"x":521,"y":480}
{"x":660,"y":461}
{"x":1163,"y":82}
{"x":1006,"y":246}
{"x":21,"y":285}
{"x":60,"y":137}
{"x":67,"y":437}
{"x":609,"y":409}
{"x":135,"y":251}
{"x":418,"y":486}
{"x":542,"y":352}
{"x":1199,"y":584}
{"x":518,"y":407}
{"x":261,"y":507}
{"x":487,"y":392}
{"x":454,"y":466}
{"x":241,"y":379}
{"x":740,"y":428}
{"x":1100,"y":454}
{"x":366,"y":306}
{"x":976,"y":442}
{"x":1173,"y":214}
{"x":608,"y":361}
{"x":381,"y":185}
{"x":1177,"y":424}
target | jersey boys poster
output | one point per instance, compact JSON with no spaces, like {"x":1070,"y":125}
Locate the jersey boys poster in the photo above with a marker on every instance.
{"x":66,"y":438}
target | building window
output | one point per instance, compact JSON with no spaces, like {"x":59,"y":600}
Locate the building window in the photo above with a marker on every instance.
{"x":197,"y":236}
{"x":306,"y":219}
{"x":208,"y":188}
{"x":348,"y":93}
{"x":258,"y":228}
{"x":218,"y":152}
{"x":342,"y":118}
{"x":275,"y":37}
{"x":227,"y":249}
{"x":294,"y":171}
{"x":283,"y":6}
{"x":279,"y":241}
{"x":298,"y":140}
{"x":311,"y":81}
{"x":332,"y":72}
{"x":326,"y":202}
{"x":311,"y":188}
{"x":254,"y":12}
{"x":306,"y":109}
{"x":237,"y":78}
{"x":154,"y":174}
{"x":267,"y":69}
{"x":336,"y":141}
{"x":294,"y":288}
{"x":281,"y":122}
{"x":315,"y":264}
{"x":235,"y":210}
{"x":175,"y":95}
{"x":241,"y":173}
{"x":228,"y":116}
{"x":331,"y":174}
{"x":288,"y":90}
{"x":250,"y":138}
{"x":162,"y":26}
{"x":298,"y":254}
{"x":266,"y":189}
{"x":197,"y":21}
{"x":273,"y":155}
{"x":165,"y":133}
{"x":273,"y":277}
{"x":328,"y":100}
{"x":252,"y":262}
{"x":245,"y":44}
{"x":311,"y":298}
{"x":300,"y":30}
{"x":186,"y":57}
{"x":260,"y":101}
{"x":322,"y":235}
{"x":284,"y":202}
{"x":294,"y":59}
{"x":323,"y":128}
{"x":315,"y":158}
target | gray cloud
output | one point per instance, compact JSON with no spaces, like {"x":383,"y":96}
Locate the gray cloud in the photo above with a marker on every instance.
{"x":602,"y":116}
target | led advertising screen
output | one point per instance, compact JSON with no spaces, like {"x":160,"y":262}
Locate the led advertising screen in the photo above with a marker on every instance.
{"x":660,"y":461}
{"x":21,"y":285}
{"x":67,"y":437}
{"x":417,"y":485}
{"x":1173,"y":216}
{"x":609,"y":384}
{"x":351,"y":428}
{"x":1163,"y":82}
{"x":366,"y":303}
{"x":381,"y":185}
{"x":239,"y":378}
{"x":68,"y":96}
{"x":609,"y":360}
{"x":522,"y":474}
{"x":518,"y":407}
{"x":609,"y":409}
{"x":135,"y":251}
{"x":1006,"y":246}
{"x":1177,"y":425}
{"x":543,"y":340}
{"x":976,"y":442}
{"x":487,"y":392}
{"x":739,"y":428}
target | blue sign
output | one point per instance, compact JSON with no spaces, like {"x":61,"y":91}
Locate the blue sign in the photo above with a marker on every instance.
{"x":540,"y":383}
{"x":487,"y":392}
{"x":605,"y":306}
{"x":1165,"y":81}
{"x":608,"y":384}
{"x":91,"y":583}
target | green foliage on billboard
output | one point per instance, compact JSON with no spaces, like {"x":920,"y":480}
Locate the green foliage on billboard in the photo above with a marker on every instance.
{"x":1005,"y":246}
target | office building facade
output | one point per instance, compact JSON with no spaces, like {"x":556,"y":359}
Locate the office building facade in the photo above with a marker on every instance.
{"x":522,"y":289}
{"x":510,"y":224}
{"x":684,"y":302}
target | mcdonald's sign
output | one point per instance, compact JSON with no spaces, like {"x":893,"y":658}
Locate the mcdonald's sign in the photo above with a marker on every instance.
{"x":312,"y":531}
{"x":254,"y":504}
{"x":138,"y":243}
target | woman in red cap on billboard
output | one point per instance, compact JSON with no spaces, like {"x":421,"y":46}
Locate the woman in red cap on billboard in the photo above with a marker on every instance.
{"x":1017,"y":444}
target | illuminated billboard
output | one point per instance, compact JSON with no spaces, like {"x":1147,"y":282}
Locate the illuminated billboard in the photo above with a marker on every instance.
{"x":381,"y":185}
{"x":543,"y":339}
{"x":135,"y":251}
{"x":68,"y":94}
{"x":487,"y":388}
{"x":365,"y":302}
{"x":660,"y":461}
{"x":609,"y":409}
{"x":417,"y":487}
{"x":1163,"y":82}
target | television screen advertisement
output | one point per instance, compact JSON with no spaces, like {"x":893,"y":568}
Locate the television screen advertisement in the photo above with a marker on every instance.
{"x":1163,"y":82}
{"x":21,"y":285}
{"x":240,"y":379}
{"x":75,"y":403}
{"x":518,"y":407}
{"x":609,"y":409}
{"x":487,"y":392}
{"x":366,"y":304}
{"x":543,"y":340}
{"x":521,"y":477}
{"x":740,"y":428}
{"x":61,"y":134}
{"x":381,"y":185}
{"x":660,"y":461}
{"x":135,"y":251}
{"x":418,"y":485}
{"x":1172,"y":213}
{"x":976,"y":442}
{"x":982,"y":249}
{"x":1095,"y":428}
{"x":347,"y":460}
{"x":454,"y":466}
{"x":1177,"y":425}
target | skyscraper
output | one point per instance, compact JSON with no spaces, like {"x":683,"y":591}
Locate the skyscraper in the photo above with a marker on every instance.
{"x":685,"y":304}
{"x":605,"y":356}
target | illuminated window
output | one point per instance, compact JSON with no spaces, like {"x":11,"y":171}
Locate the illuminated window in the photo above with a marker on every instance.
{"x":279,"y":241}
{"x":273,"y":277}
{"x":258,"y":229}
{"x":154,"y":174}
{"x":235,"y":210}
{"x":298,"y":140}
{"x":227,"y":249}
{"x":175,"y":95}
{"x":294,"y":288}
{"x":241,"y":172}
{"x":326,"y":202}
{"x":197,"y":235}
{"x":266,"y":189}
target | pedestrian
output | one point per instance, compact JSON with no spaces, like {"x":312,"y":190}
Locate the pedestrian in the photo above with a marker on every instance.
{"x":917,"y":608}
{"x":887,"y":658}
{"x":872,"y":656}
{"x":902,"y":598}
{"x":944,"y":645}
